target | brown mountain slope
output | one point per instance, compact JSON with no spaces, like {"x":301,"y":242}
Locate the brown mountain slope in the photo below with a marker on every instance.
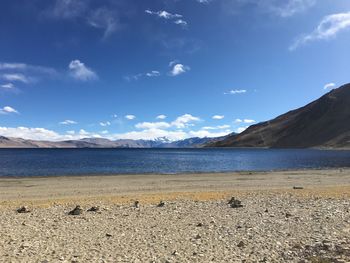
{"x":322,"y":123}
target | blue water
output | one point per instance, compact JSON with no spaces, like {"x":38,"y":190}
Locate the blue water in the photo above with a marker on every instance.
{"x":46,"y":162}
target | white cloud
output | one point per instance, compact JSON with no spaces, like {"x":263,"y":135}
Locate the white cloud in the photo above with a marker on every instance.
{"x":79,"y":71}
{"x":14,"y":66}
{"x":236,"y":91}
{"x":329,"y":86}
{"x":179,"y":69}
{"x":204,"y":1}
{"x":153,"y":73}
{"x":130,"y":117}
{"x":181,"y":22}
{"x":328,"y":28}
{"x":153,"y":125}
{"x":8,"y":86}
{"x":15,"y":77}
{"x":248,"y":121}
{"x":8,"y":110}
{"x":105,"y":124}
{"x":184,"y":121}
{"x":218,"y":117}
{"x":68,"y":122}
{"x":161,"y":117}
{"x":166,"y":15}
{"x":163,"y":14}
{"x":70,"y":132}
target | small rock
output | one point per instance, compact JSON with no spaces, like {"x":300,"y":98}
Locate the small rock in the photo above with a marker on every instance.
{"x":93,"y":209}
{"x":298,"y":187}
{"x":23,"y":209}
{"x":197,"y":236}
{"x":235,"y":203}
{"x":76,"y":211}
{"x":137,"y":204}
{"x":288,"y":215}
{"x":240,"y":244}
{"x":199,"y":225}
{"x":108,"y":235}
{"x":161,"y":204}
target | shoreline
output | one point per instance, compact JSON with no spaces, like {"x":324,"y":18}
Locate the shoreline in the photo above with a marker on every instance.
{"x":39,"y":191}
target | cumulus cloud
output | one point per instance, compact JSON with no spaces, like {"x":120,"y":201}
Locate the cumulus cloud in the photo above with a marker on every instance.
{"x":329,"y":86}
{"x":179,"y":69}
{"x":218,"y":117}
{"x":79,"y":71}
{"x":130,"y":117}
{"x":68,"y":122}
{"x":161,"y":117}
{"x":184,"y":121}
{"x":235,"y":92}
{"x":8,"y":110}
{"x":328,"y":28}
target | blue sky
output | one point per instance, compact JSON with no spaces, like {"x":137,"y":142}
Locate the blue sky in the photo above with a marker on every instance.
{"x":143,"y":69}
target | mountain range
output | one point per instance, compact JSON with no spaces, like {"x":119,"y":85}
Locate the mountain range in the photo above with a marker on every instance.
{"x":9,"y":142}
{"x":324,"y":123}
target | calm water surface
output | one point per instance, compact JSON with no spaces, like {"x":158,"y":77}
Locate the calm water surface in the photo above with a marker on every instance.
{"x":41,"y":162}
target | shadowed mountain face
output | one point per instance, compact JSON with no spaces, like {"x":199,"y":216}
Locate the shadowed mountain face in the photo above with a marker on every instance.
{"x":322,"y":123}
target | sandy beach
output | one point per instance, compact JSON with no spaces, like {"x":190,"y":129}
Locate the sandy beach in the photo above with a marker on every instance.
{"x":276,"y":223}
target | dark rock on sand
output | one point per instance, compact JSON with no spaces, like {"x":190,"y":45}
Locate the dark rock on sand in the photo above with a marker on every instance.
{"x":22,"y":210}
{"x":76,"y":211}
{"x":161,"y":204}
{"x":235,"y":203}
{"x":94,"y":209}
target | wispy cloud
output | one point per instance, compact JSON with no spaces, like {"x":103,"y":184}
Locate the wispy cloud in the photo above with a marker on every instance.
{"x":105,"y":19}
{"x":248,"y":121}
{"x":8,"y":86}
{"x":176,"y":18}
{"x":151,"y":74}
{"x":8,"y":110}
{"x":219,"y":127}
{"x":68,"y":122}
{"x":153,"y":125}
{"x":328,"y":28}
{"x":79,"y":71}
{"x":16,"y":77}
{"x":329,"y":86}
{"x":105,"y":124}
{"x":236,"y":91}
{"x":179,"y":69}
{"x":68,"y":9}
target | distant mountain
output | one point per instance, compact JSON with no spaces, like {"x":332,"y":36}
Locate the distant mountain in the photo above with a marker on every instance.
{"x":9,"y":142}
{"x":323,"y":123}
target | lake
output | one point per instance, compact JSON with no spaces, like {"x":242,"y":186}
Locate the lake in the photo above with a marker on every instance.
{"x":49,"y":162}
